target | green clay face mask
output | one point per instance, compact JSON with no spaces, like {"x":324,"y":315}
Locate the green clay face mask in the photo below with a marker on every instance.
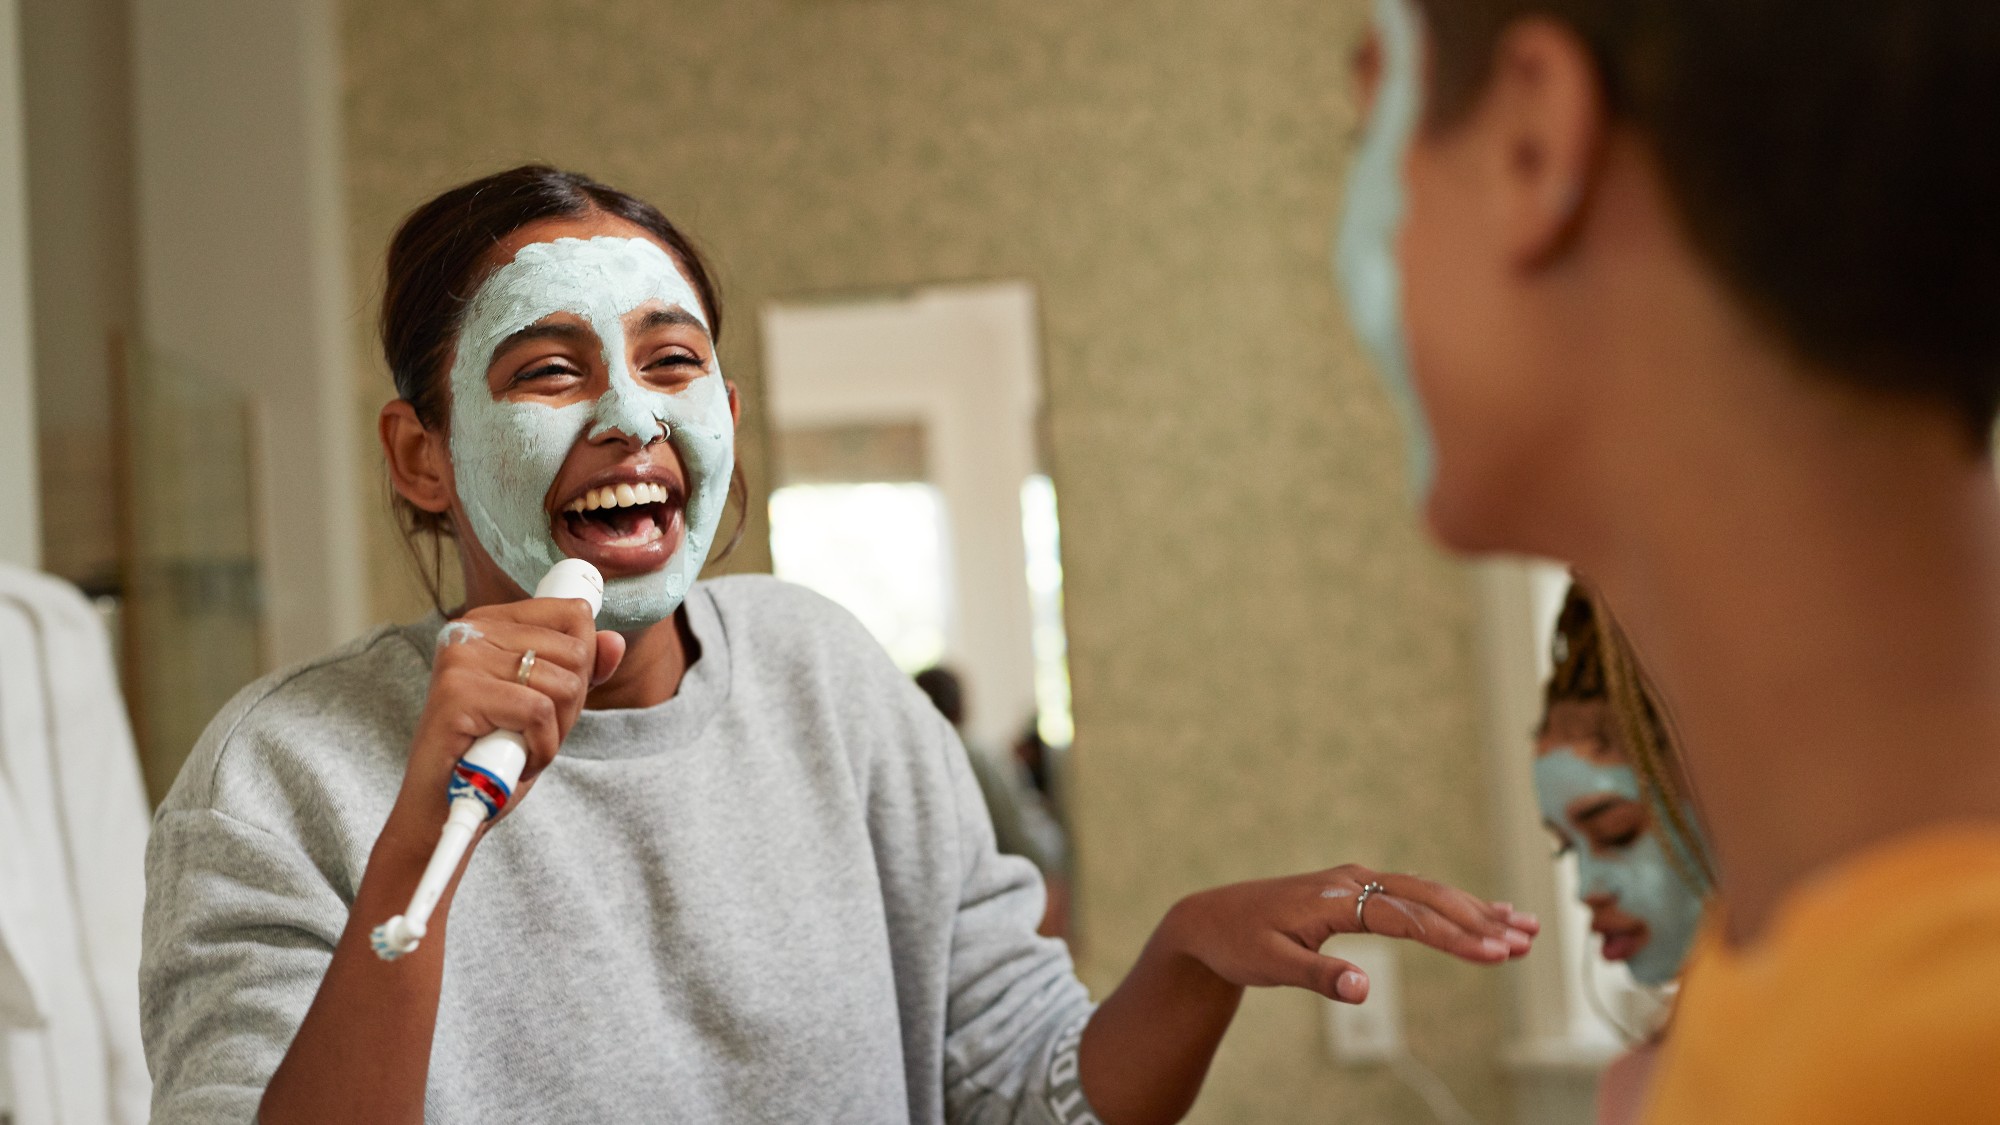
{"x":1365,"y":258}
{"x":1640,"y":875}
{"x":506,"y":455}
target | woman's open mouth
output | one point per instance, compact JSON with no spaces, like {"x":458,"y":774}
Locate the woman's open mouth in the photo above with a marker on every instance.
{"x":626,"y":527}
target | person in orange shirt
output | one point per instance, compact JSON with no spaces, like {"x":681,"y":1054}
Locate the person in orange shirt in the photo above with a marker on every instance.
{"x":1703,"y":297}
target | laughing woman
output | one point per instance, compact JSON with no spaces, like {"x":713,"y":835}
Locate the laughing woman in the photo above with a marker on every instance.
{"x":756,"y":884}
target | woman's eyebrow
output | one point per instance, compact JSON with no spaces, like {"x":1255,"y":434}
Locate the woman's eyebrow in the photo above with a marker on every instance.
{"x":672,"y":317}
{"x":550,"y":330}
{"x":1596,"y":809}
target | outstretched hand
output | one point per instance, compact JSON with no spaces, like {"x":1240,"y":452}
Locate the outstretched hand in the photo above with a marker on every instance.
{"x":1268,"y":932}
{"x":1149,"y":1044}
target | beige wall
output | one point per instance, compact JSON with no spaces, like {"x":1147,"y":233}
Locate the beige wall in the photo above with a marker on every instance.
{"x":1272,"y":672}
{"x":20,"y":498}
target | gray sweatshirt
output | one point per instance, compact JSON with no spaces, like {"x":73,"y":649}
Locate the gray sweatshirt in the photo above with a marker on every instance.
{"x":772,"y":898}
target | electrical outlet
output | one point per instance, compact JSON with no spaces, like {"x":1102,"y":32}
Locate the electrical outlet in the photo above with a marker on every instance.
{"x":1371,"y":1031}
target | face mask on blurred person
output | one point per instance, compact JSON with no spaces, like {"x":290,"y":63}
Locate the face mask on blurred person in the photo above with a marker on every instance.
{"x":1365,"y":256}
{"x":1641,"y":906}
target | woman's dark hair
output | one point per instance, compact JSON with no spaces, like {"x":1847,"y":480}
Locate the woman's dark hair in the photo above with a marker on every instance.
{"x":434,"y":268}
{"x":1577,"y":654}
{"x":1834,"y":162}
{"x":946,"y":692}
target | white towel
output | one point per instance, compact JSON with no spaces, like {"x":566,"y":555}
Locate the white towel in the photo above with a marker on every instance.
{"x":73,"y":823}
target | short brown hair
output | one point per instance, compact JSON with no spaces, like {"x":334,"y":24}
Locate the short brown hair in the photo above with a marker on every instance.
{"x":1834,"y":160}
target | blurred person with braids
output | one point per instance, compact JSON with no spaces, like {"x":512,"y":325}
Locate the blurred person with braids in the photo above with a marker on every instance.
{"x":1609,"y":786}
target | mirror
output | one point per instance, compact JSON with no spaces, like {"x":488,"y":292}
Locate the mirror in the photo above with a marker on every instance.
{"x":910,"y":489}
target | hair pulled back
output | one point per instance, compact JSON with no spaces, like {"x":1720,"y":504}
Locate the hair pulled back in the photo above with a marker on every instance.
{"x":1834,"y":163}
{"x":436,"y":263}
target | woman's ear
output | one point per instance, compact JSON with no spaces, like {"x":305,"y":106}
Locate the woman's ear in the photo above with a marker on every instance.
{"x":735,"y":403}
{"x":419,"y":461}
{"x":1546,"y":106}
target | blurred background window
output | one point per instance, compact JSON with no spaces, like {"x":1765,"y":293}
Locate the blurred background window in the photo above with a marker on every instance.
{"x":910,"y":488}
{"x":876,"y":548}
{"x":1043,"y":533}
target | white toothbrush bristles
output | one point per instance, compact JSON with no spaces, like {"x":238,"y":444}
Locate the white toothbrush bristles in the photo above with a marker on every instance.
{"x":395,"y":937}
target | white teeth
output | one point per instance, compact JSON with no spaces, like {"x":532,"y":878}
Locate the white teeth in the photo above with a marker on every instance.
{"x":619,"y":496}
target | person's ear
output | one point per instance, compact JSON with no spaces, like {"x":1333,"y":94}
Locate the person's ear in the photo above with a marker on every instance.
{"x":735,"y":403}
{"x":1545,"y":107}
{"x":419,"y":461}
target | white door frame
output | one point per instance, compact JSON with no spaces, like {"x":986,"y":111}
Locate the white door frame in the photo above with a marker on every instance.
{"x":242,"y":275}
{"x":963,"y":360}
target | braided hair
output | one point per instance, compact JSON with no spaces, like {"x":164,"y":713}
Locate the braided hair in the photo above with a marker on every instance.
{"x":1594,"y":661}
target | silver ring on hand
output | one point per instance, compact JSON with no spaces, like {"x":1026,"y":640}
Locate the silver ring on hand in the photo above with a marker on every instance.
{"x":527,"y":668}
{"x":1360,"y":904}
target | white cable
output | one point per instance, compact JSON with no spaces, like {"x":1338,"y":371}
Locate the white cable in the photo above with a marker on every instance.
{"x":1424,"y":1082}
{"x":1593,"y":991}
{"x":1662,"y":997}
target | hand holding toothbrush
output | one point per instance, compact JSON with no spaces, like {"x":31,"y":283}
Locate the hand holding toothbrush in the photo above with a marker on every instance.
{"x":507,"y":684}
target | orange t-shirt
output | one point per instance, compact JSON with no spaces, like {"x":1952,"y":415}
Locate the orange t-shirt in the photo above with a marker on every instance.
{"x":1874,"y":996}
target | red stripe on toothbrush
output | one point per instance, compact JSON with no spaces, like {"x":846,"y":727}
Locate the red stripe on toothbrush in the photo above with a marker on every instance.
{"x":496,"y":794}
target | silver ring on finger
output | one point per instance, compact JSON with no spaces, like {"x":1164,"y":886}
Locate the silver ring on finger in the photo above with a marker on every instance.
{"x":1361,"y":903}
{"x":526,"y":671}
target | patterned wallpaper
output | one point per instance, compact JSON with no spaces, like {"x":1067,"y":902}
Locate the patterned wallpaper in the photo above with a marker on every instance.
{"x":1272,"y":671}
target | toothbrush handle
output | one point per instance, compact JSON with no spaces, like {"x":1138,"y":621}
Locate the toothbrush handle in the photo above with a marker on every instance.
{"x":465,"y":818}
{"x":482,"y":785}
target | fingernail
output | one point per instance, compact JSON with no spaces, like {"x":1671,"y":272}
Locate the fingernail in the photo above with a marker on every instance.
{"x":1352,"y":986}
{"x":1516,"y":937}
{"x":1504,"y":907}
{"x":1523,"y":921}
{"x":1493,"y":947}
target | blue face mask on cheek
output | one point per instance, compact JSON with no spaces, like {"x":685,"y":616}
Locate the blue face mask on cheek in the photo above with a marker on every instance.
{"x":1641,"y":876}
{"x":1365,"y":257}
{"x":1648,"y":888}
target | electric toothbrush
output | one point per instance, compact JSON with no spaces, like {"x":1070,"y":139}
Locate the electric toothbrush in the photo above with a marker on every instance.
{"x":482,"y":783}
